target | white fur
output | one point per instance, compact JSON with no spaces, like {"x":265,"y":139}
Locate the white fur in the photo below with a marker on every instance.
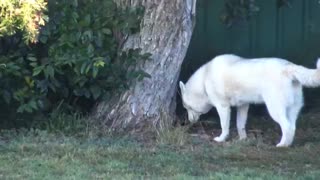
{"x":230,"y":80}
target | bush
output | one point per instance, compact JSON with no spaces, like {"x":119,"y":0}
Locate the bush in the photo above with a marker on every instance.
{"x":78,"y":59}
{"x":26,"y":16}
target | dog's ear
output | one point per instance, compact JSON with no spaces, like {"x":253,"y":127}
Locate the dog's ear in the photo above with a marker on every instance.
{"x":182,"y":87}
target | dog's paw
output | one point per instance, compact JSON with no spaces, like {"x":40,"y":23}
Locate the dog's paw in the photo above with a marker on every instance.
{"x":219,"y":139}
{"x":242,"y":137}
{"x":282,"y":145}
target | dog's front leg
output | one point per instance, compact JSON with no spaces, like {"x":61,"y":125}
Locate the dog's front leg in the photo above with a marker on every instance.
{"x":224,"y":114}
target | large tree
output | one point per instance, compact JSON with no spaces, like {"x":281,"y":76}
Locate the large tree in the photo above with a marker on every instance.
{"x":166,"y":31}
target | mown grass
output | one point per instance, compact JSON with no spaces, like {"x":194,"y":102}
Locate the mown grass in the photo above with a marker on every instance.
{"x":39,"y":154}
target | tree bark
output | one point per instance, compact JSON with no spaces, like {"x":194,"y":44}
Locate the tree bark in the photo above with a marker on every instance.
{"x":166,"y":31}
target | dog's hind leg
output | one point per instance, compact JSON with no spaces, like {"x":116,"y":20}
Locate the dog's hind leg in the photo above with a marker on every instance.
{"x":278,"y":111}
{"x":294,"y":109}
{"x":224,"y":114}
{"x":242,"y":114}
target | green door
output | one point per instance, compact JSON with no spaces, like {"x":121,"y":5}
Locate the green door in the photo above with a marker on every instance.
{"x":291,"y":32}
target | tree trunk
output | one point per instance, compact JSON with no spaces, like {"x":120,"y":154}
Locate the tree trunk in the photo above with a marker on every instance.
{"x":165,"y":33}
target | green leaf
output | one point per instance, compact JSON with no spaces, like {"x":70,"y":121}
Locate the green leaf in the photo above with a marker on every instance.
{"x":40,"y":104}
{"x":33,"y":64}
{"x":87,"y":20}
{"x":28,"y":109}
{"x":88,"y":68}
{"x":99,"y":62}
{"x":52,"y":87}
{"x":95,"y":71}
{"x":90,"y":50}
{"x":83,"y":67}
{"x":75,"y":3}
{"x":50,"y":71}
{"x":32,"y":58}
{"x":88,"y":35}
{"x":145,"y":74}
{"x":37,"y":70}
{"x":75,"y":17}
{"x":33,"y":104}
{"x":107,"y":31}
{"x":146,"y":56}
{"x":77,"y":92}
{"x":21,"y":109}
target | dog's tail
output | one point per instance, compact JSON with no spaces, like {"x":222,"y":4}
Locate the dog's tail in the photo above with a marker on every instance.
{"x":307,"y":77}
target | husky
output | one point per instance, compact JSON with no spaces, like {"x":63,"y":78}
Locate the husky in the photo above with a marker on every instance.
{"x":229,"y":80}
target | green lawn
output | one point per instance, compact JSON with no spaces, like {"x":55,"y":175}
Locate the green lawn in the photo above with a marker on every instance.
{"x":40,"y":155}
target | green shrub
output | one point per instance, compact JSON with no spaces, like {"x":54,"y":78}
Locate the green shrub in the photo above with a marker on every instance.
{"x":78,"y":58}
{"x":25,"y":16}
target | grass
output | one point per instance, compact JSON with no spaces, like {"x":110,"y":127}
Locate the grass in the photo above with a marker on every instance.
{"x":178,"y":153}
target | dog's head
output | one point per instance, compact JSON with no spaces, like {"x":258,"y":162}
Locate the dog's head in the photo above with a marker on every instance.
{"x":193,"y":103}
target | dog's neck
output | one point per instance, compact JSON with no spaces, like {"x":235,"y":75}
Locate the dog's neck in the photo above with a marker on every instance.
{"x":195,"y":87}
{"x":196,"y":83}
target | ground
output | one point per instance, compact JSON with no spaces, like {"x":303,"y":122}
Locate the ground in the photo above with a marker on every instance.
{"x":181,"y":153}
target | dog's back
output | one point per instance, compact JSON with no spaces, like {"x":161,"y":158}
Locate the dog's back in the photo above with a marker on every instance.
{"x":239,"y":80}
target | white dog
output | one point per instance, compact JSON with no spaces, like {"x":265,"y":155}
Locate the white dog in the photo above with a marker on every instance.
{"x":230,"y":80}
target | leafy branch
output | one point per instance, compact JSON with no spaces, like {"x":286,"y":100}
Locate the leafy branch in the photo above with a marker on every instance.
{"x":22,"y":15}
